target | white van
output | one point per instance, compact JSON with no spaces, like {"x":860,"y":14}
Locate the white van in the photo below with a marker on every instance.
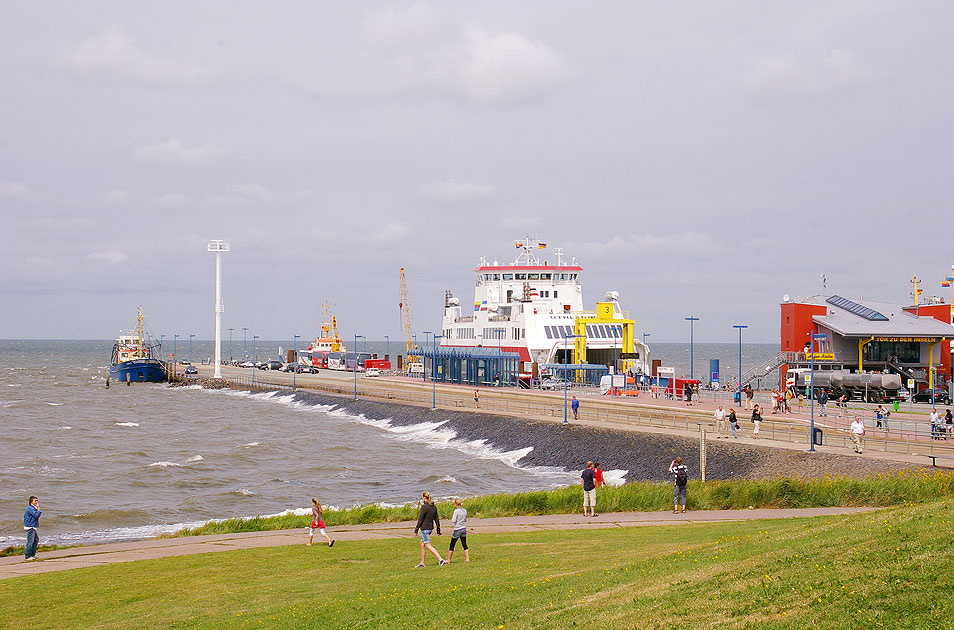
{"x":610,"y":381}
{"x":415,"y":368}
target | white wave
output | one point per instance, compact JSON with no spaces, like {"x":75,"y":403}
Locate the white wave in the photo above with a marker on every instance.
{"x":615,"y":477}
{"x":14,"y":384}
{"x":63,"y":428}
{"x":165,"y":464}
{"x":244,"y":491}
{"x":253,"y":444}
{"x":195,"y":458}
{"x":446,"y":479}
{"x":126,"y":424}
{"x":53,"y":404}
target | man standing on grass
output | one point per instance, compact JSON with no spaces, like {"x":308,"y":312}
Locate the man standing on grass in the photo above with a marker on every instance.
{"x":31,"y":521}
{"x":680,"y":476}
{"x":588,"y":479}
{"x":856,"y":432}
{"x":720,"y":422}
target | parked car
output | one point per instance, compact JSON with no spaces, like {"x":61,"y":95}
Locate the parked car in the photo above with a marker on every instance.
{"x":270,"y":365}
{"x":372,"y":372}
{"x":903,"y":394}
{"x":551,"y":383}
{"x":940,"y":396}
{"x":287,"y":367}
{"x":301,"y":368}
{"x":191,"y":370}
{"x":246,"y":364}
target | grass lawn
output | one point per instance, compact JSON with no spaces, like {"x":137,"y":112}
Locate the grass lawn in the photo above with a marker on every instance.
{"x":888,"y":569}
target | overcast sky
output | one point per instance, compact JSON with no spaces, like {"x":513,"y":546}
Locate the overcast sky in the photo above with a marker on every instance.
{"x":702,"y":158}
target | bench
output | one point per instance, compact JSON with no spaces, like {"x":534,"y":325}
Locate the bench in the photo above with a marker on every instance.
{"x":934,"y":459}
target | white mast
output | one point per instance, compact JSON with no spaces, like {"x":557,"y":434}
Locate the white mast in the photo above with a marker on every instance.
{"x":218,"y":246}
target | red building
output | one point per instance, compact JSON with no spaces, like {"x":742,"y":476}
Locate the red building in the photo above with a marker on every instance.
{"x":861,"y":335}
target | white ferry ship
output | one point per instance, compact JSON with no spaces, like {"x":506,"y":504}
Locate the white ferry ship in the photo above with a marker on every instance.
{"x":535,"y":308}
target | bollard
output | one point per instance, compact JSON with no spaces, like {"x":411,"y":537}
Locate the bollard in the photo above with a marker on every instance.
{"x":702,"y":452}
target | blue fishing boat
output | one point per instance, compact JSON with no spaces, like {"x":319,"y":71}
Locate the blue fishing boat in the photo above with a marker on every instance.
{"x":133,"y":361}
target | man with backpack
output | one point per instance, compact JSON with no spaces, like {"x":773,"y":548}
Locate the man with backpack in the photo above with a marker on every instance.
{"x":681,"y":477}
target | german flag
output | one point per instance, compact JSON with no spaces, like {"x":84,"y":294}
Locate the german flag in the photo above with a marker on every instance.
{"x":518,"y":244}
{"x":541,"y":245}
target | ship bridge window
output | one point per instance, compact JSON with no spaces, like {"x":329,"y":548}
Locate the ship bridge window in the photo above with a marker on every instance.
{"x":549,"y":331}
{"x":562,"y":276}
{"x":521,"y":276}
{"x":486,"y":276}
{"x":572,"y":276}
{"x":554,"y":294}
{"x":545,"y":276}
{"x":496,"y":276}
{"x":508,"y":276}
{"x":533,"y":276}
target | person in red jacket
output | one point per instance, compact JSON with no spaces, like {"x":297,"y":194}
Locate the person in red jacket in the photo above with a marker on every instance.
{"x":598,"y":472}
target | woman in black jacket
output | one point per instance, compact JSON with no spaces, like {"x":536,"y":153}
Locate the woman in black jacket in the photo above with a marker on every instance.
{"x":427,"y":521}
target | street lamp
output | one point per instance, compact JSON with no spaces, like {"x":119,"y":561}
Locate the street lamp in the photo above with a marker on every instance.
{"x":740,"y":327}
{"x":230,"y":345}
{"x":434,"y":372}
{"x":254,"y":358}
{"x":565,"y":381}
{"x":191,"y":335}
{"x":218,"y":246}
{"x":245,"y":341}
{"x":388,"y":355}
{"x":295,"y":361}
{"x":424,"y":376}
{"x":356,"y":337}
{"x":160,"y":347}
{"x":691,"y":320}
{"x":175,"y":343}
{"x":811,"y":434}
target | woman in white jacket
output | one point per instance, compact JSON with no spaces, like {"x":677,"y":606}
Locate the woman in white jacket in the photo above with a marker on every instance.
{"x":459,"y":523}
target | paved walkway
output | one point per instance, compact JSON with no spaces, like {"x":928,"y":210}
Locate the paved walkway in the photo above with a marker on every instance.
{"x":97,"y":555}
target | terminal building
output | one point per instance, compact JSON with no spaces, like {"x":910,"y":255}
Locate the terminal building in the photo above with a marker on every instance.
{"x":866,"y":336}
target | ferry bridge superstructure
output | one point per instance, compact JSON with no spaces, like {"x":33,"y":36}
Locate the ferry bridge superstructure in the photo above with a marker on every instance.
{"x":535,"y":309}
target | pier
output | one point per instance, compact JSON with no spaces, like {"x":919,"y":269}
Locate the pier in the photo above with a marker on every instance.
{"x":908,"y":439}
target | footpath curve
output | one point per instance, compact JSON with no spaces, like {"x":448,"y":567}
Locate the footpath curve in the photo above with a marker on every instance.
{"x":111,"y":553}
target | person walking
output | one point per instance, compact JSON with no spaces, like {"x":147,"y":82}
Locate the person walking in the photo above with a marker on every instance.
{"x":680,"y":475}
{"x":843,"y":406}
{"x":588,"y":479}
{"x":935,"y":424}
{"x":749,"y":395}
{"x":823,"y":401}
{"x":459,"y":524}
{"x":756,"y":420}
{"x":427,"y":522}
{"x":687,"y":393}
{"x":575,"y":406}
{"x":856,"y":432}
{"x":949,"y":421}
{"x":31,"y":521}
{"x":477,"y":398}
{"x":598,"y":475}
{"x":734,"y":423}
{"x":317,"y":524}
{"x":720,"y":422}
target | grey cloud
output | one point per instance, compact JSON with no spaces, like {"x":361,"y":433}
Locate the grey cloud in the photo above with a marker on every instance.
{"x":454,"y":191}
{"x":174,"y":151}
{"x":114,"y":53}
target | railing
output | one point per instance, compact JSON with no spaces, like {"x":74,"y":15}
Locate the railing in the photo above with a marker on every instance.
{"x":905,"y":436}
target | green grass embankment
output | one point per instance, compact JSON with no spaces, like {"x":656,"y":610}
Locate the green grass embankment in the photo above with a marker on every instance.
{"x":881,"y":490}
{"x":886,"y":569}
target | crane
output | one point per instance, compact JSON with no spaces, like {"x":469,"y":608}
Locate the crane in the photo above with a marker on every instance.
{"x":406,"y":319}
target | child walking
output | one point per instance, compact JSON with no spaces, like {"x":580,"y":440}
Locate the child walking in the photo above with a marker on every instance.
{"x":317,"y":523}
{"x":459,"y":522}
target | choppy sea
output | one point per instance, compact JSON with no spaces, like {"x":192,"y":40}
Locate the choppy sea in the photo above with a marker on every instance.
{"x":132,"y":462}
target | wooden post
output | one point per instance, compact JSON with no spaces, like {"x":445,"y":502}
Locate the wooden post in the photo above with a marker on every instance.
{"x":702,"y":452}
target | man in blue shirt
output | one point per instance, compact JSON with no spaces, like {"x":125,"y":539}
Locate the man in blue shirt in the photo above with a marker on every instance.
{"x":575,"y":406}
{"x":31,"y":520}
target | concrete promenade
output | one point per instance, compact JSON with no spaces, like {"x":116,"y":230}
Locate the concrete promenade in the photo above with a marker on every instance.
{"x":111,"y":553}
